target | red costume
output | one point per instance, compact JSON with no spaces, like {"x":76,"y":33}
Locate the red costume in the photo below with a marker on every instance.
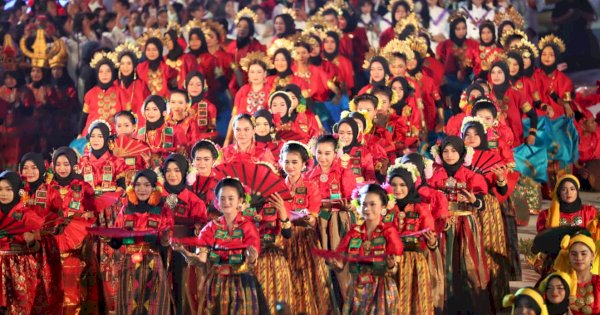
{"x":581,"y":217}
{"x":360,"y":162}
{"x":275,"y":81}
{"x":554,"y":88}
{"x":248,"y":101}
{"x":101,"y":104}
{"x":438,"y":205}
{"x":257,"y":152}
{"x":589,"y":294}
{"x":430,"y":95}
{"x":482,"y":57}
{"x":335,"y":185}
{"x":157,"y":80}
{"x":454,"y":58}
{"x":204,"y":188}
{"x":185,"y":64}
{"x":359,"y":45}
{"x":132,"y":98}
{"x":103,"y":172}
{"x":386,"y":36}
{"x":512,"y":106}
{"x":339,"y":70}
{"x":161,"y":140}
{"x":529,"y":92}
{"x":217,"y":235}
{"x":188,"y":211}
{"x":435,"y":69}
{"x":204,"y":120}
{"x":414,"y":218}
{"x":471,"y":181}
{"x":316,"y":81}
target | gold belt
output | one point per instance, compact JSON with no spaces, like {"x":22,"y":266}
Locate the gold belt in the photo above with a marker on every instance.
{"x":143,"y":248}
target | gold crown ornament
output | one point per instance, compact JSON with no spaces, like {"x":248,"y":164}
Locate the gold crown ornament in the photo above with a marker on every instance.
{"x":333,"y":6}
{"x":511,"y":33}
{"x":372,"y":53}
{"x":174,"y":26}
{"x":103,"y":56}
{"x":281,"y":43}
{"x":246,"y":12}
{"x":127,"y":48}
{"x":209,"y":25}
{"x":457,"y":14}
{"x":552,"y":40}
{"x":59,"y":60}
{"x":151,"y":33}
{"x":315,"y":23}
{"x":418,"y":45}
{"x":305,"y":39}
{"x":254,"y":56}
{"x":396,"y":46}
{"x":412,"y":20}
{"x":290,"y":12}
{"x":8,"y":54}
{"x":510,"y":14}
{"x":527,"y":48}
{"x":392,"y":3}
{"x":42,"y":51}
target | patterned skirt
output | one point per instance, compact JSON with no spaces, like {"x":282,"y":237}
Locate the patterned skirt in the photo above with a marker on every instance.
{"x":273,"y":273}
{"x":19,"y":282}
{"x":467,"y":275}
{"x":111,"y":261}
{"x":238,"y":294}
{"x":332,"y":230}
{"x":414,"y":285}
{"x":492,"y":226}
{"x":377,"y":297}
{"x":437,"y":271}
{"x":310,"y":276}
{"x":512,"y":238}
{"x":144,"y":285}
{"x":80,"y":280}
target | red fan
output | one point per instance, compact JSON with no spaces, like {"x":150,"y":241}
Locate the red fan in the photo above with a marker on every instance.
{"x":203,"y":185}
{"x":119,"y":233}
{"x":125,"y":146}
{"x":290,"y":135}
{"x":208,"y":135}
{"x":485,"y":160}
{"x":10,"y":226}
{"x":347,"y":257}
{"x":259,"y":178}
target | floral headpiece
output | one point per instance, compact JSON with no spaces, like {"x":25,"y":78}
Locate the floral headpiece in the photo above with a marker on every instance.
{"x":552,"y":40}
{"x":418,"y":45}
{"x":151,"y":33}
{"x":281,"y":43}
{"x":509,"y":14}
{"x":471,"y":119}
{"x":410,"y":19}
{"x":512,"y":33}
{"x":255,"y":56}
{"x":246,"y":12}
{"x":127,"y":48}
{"x":396,"y":46}
{"x":435,"y":152}
{"x":527,"y":48}
{"x":215,"y":27}
{"x":102,"y":56}
{"x":101,"y":121}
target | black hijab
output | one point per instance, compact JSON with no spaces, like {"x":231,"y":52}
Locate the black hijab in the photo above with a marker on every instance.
{"x":14,"y":180}
{"x":459,"y":146}
{"x":243,"y":42}
{"x":104,"y":129}
{"x":458,"y":41}
{"x":501,"y":29}
{"x":500,"y":90}
{"x":489,"y":25}
{"x":126,"y":80}
{"x":416,"y":160}
{"x":483,"y":103}
{"x":386,"y":68}
{"x":354,"y":126}
{"x":288,"y":59}
{"x":142,"y":206}
{"x":269,"y":117}
{"x":399,"y":106}
{"x":335,"y":53}
{"x":105,"y":86}
{"x":316,"y":60}
{"x":413,"y":195}
{"x":71,"y":156}
{"x":549,"y":69}
{"x":562,"y":307}
{"x":154,"y":64}
{"x":177,"y":50}
{"x":38,"y":161}
{"x":183,"y":165}
{"x":162,"y":107}
{"x":203,"y":46}
{"x":188,"y":78}
{"x":516,"y":56}
{"x":480,"y":130}
{"x":288,"y":103}
{"x":569,"y":207}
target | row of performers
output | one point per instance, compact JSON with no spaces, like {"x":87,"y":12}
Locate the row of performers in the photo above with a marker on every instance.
{"x":422,"y":242}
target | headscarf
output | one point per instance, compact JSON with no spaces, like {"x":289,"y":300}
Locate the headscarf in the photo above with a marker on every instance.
{"x":127,"y":80}
{"x":148,"y":174}
{"x":288,"y":104}
{"x":154,"y":64}
{"x":335,"y":53}
{"x":288,"y":58}
{"x":104,"y":129}
{"x":188,"y":78}
{"x":459,"y":146}
{"x":162,"y":107}
{"x":489,"y":25}
{"x":316,"y":60}
{"x":417,"y":160}
{"x":183,"y":166}
{"x":562,"y":307}
{"x":562,"y":263}
{"x":516,"y":56}
{"x":38,"y":161}
{"x":15,"y":182}
{"x":557,"y":205}
{"x":143,"y":206}
{"x":354,"y":126}
{"x":71,"y":156}
{"x":243,"y":42}
{"x":203,"y":47}
{"x":413,"y":194}
{"x":386,"y":68}
{"x":500,"y":90}
{"x":177,"y":50}
{"x":302,"y":101}
{"x":534,"y":300}
{"x":105,"y":61}
{"x":480,"y":130}
{"x":399,"y":106}
{"x":269,"y":117}
{"x":549,"y":69}
{"x":458,"y":41}
{"x":501,"y":29}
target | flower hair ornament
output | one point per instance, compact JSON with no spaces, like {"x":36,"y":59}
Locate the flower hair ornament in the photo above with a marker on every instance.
{"x":391,"y":197}
{"x":246,"y":13}
{"x":281,"y":43}
{"x":310,"y":162}
{"x":409,"y":167}
{"x":154,"y":200}
{"x":473,"y":119}
{"x":247,"y":198}
{"x":435,"y":152}
{"x":99,"y":121}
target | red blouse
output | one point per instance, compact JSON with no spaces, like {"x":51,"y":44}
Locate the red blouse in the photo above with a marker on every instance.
{"x":23,"y":220}
{"x":101,"y":104}
{"x":335,"y":185}
{"x":257,"y":152}
{"x":155,"y":218}
{"x":306,"y":195}
{"x":248,"y":101}
{"x":591,"y":289}
{"x":430,"y":94}
{"x":464,"y":178}
{"x":189,"y":209}
{"x":360,"y":163}
{"x":162,"y":140}
{"x":45,"y":199}
{"x":414,"y":218}
{"x":438,"y":203}
{"x":133,"y":97}
{"x":339,"y":70}
{"x":156,"y":81}
{"x":482,"y":57}
{"x":557,"y":86}
{"x":512,"y":106}
{"x":386,"y":36}
{"x":582,"y":217}
{"x":454,"y":58}
{"x":385,"y":240}
{"x":204,"y":120}
{"x":102,"y":173}
{"x":274,"y":81}
{"x":434,"y":68}
{"x":185,"y":64}
{"x":316,"y":81}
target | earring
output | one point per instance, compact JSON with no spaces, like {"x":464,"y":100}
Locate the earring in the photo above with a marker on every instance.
{"x":384,"y":212}
{"x":303,"y":169}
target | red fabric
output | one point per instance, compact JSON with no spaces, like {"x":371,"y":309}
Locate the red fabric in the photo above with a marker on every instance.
{"x":587,"y":213}
{"x":438,"y":203}
{"x":183,"y":130}
{"x":250,"y":236}
{"x":142,"y":221}
{"x":556,"y":83}
{"x":98,"y":164}
{"x":188,"y":64}
{"x":224,"y":60}
{"x":483,"y":54}
{"x":360,"y":45}
{"x":248,"y":101}
{"x":386,"y":36}
{"x":337,"y":175}
{"x":63,"y":98}
{"x":339,"y":68}
{"x":595,"y":306}
{"x":274,"y":81}
{"x":307,"y":197}
{"x":529,"y":92}
{"x":205,"y":188}
{"x":155,"y":139}
{"x":189,"y":207}
{"x":305,"y":124}
{"x":411,"y":225}
{"x":202,"y":121}
{"x":10,"y":97}
{"x":207,"y":64}
{"x":589,"y":145}
{"x":41,"y":95}
{"x":257,"y":152}
{"x":346,"y":46}
{"x":133,"y":97}
{"x":430,"y":94}
{"x":167,"y":73}
{"x":475,"y":182}
{"x":45,"y":200}
{"x":361,"y":163}
{"x":449,"y":54}
{"x":510,"y":108}
{"x":393,"y":244}
{"x":435,"y":69}
{"x":317,"y":83}
{"x":99,"y":104}
{"x":22,"y":219}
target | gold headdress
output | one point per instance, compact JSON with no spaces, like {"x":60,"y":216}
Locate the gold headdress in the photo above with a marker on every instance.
{"x":396,"y":46}
{"x":290,"y":12}
{"x":323,"y":32}
{"x":552,"y":40}
{"x":457,"y":14}
{"x":150,"y":33}
{"x":418,"y":45}
{"x":255,"y":56}
{"x":173,"y":26}
{"x":41,"y":51}
{"x":102,"y":56}
{"x":215,"y":27}
{"x":191,"y":25}
{"x":511,"y":33}
{"x":124,"y":48}
{"x":527,"y":48}
{"x":410,"y":4}
{"x":281,"y":43}
{"x":372,"y":53}
{"x":412,"y":20}
{"x":9,"y":54}
{"x":315,"y":23}
{"x":331,"y":5}
{"x":510,"y":14}
{"x":59,"y":59}
{"x":306,"y":39}
{"x":246,"y":12}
